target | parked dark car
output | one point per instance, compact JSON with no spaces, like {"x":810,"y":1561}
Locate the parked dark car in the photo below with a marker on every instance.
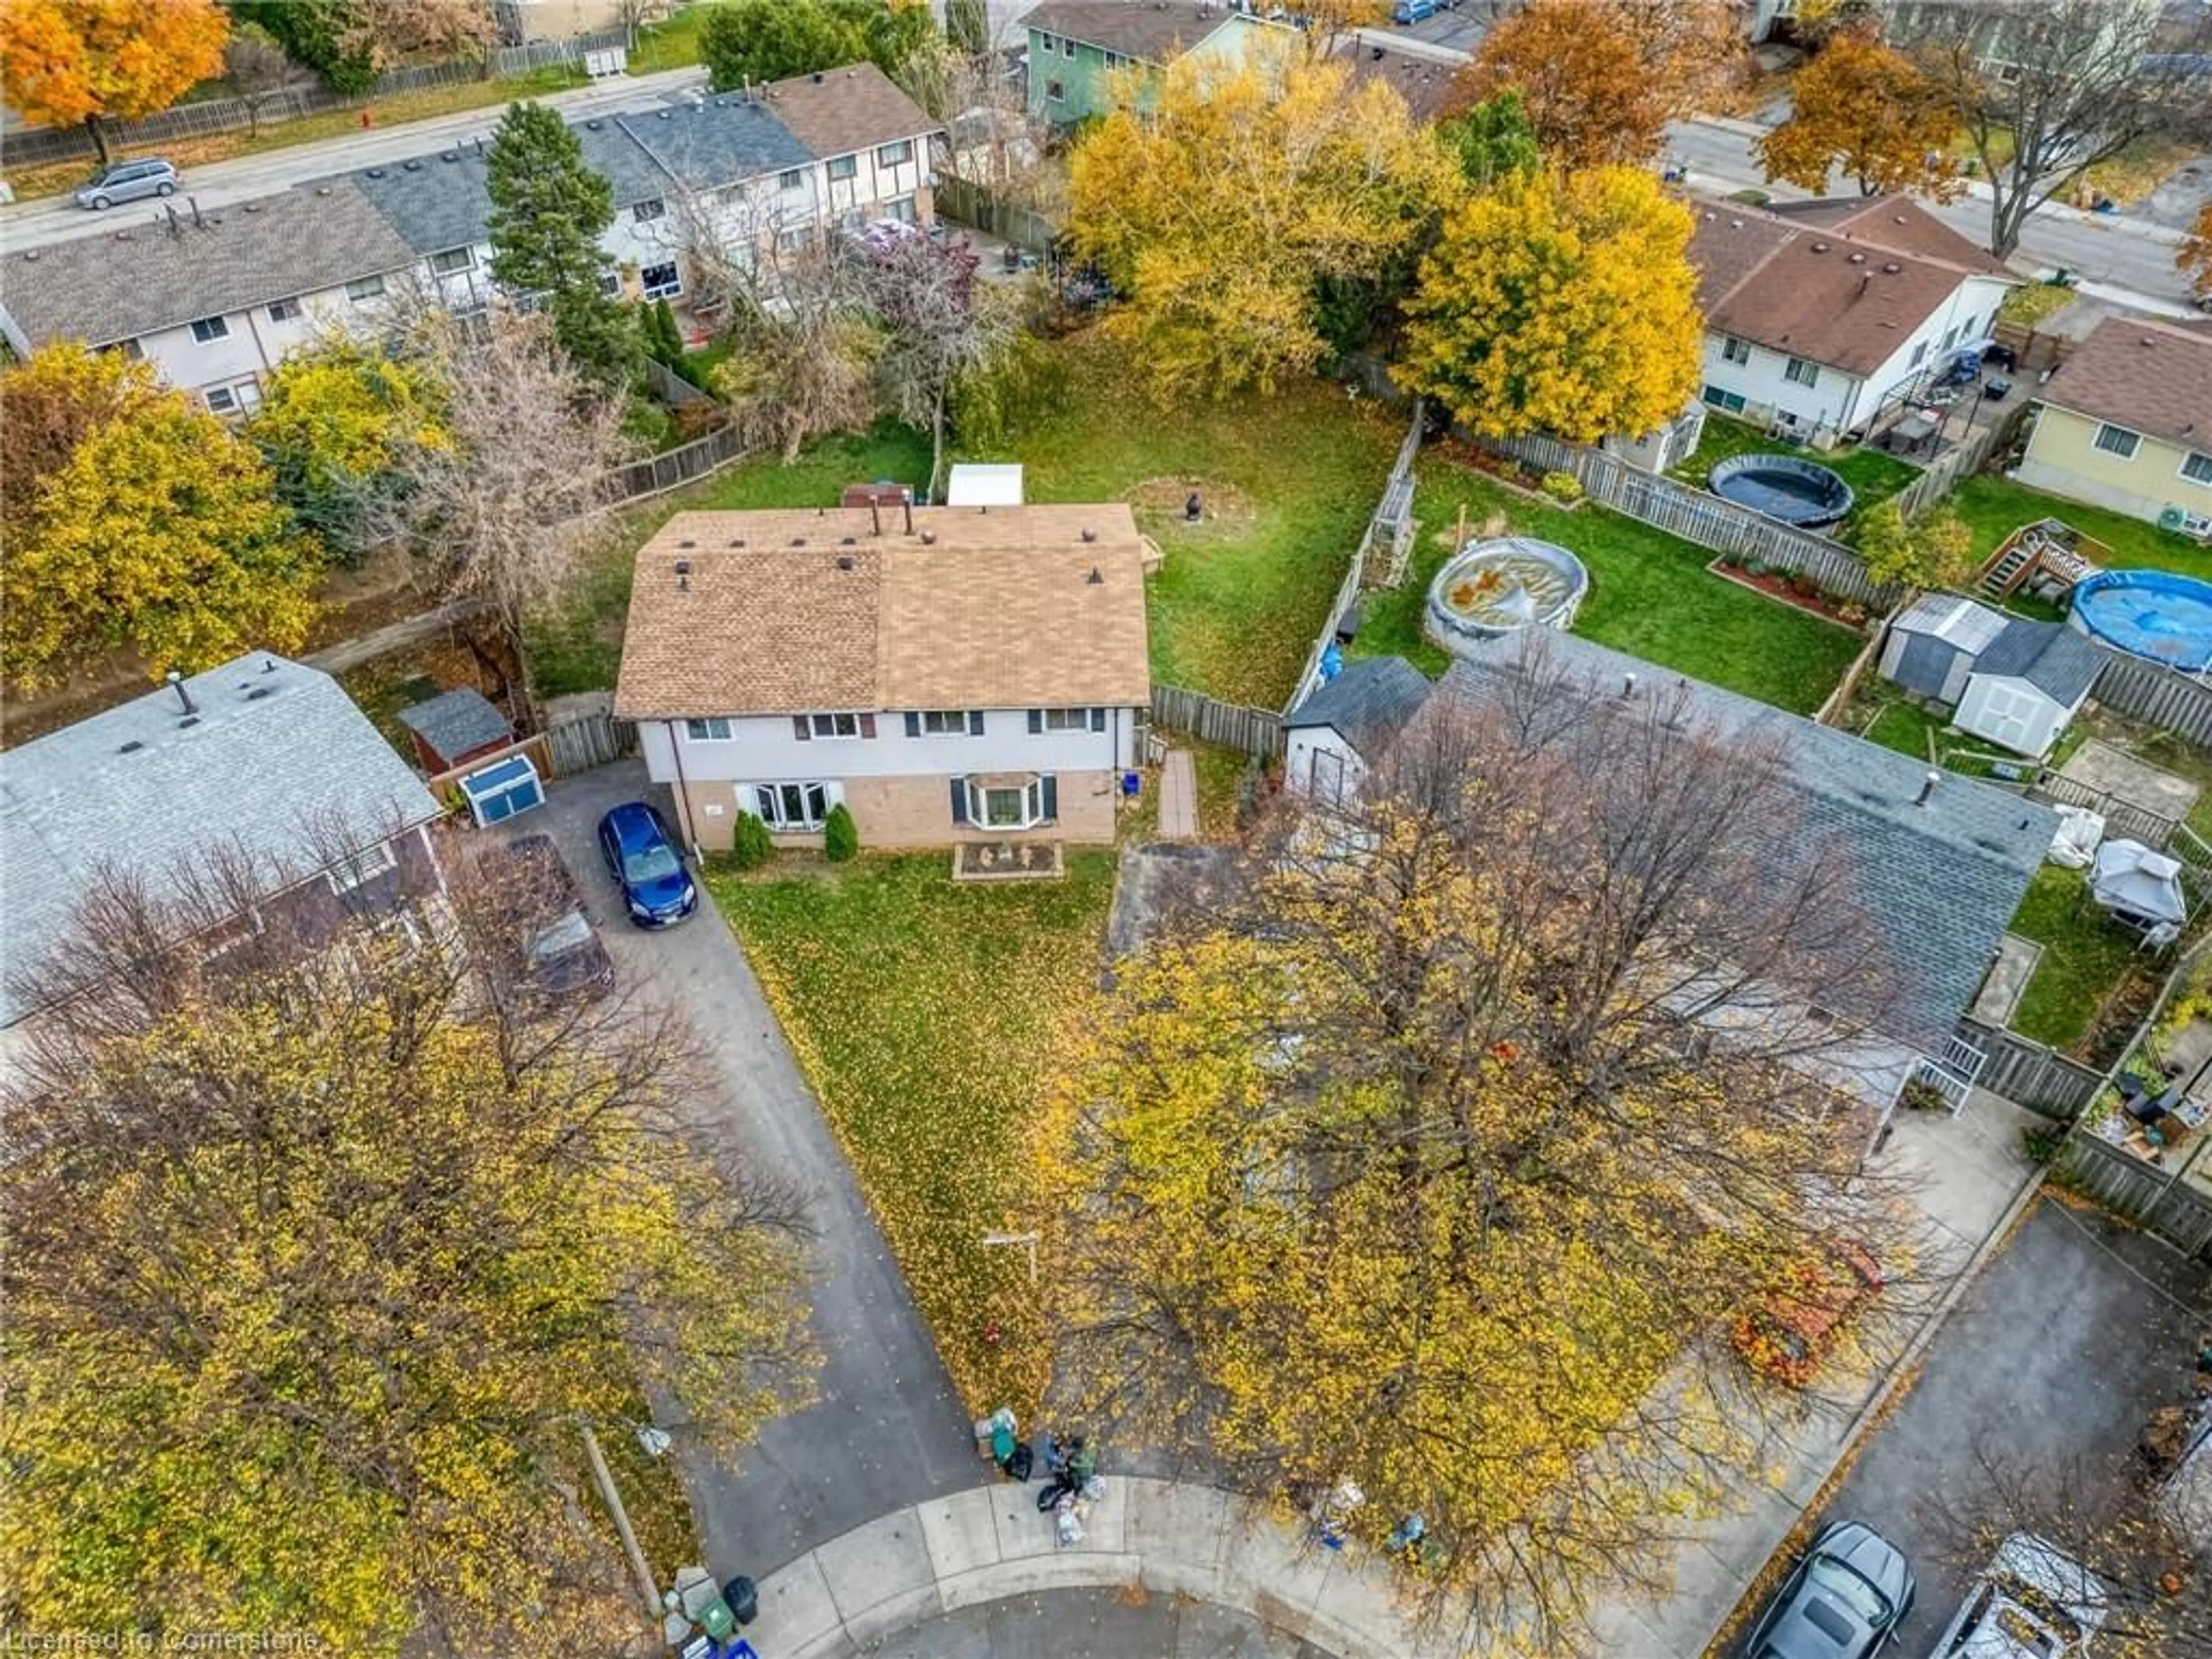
{"x":561,"y":956}
{"x":1842,"y":1600}
{"x":642,"y":857}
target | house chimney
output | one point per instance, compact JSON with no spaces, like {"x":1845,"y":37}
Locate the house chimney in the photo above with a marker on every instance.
{"x":1628,"y":685}
{"x":1927,"y":787}
{"x":176,"y":685}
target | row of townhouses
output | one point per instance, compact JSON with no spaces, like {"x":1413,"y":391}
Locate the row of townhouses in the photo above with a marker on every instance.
{"x":215,"y":298}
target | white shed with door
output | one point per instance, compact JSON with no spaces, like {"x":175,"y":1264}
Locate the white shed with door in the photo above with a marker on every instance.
{"x":2027,"y":684}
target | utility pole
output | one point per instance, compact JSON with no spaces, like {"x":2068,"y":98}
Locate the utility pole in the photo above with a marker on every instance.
{"x":647,"y":1589}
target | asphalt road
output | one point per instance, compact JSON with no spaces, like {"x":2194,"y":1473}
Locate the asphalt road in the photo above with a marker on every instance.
{"x":1093,"y":1624}
{"x":58,"y":219}
{"x":888,"y":1431}
{"x":2127,"y":257}
{"x":2061,"y":1351}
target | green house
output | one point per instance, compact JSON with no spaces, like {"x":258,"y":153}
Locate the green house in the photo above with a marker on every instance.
{"x":1075,"y":44}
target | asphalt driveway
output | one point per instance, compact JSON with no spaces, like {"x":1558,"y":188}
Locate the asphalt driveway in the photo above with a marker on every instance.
{"x":889,"y":1430}
{"x":2061,"y":1349}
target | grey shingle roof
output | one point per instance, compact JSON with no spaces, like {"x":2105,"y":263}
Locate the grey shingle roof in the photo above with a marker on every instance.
{"x":140,"y":277}
{"x":436,"y":201}
{"x":2052,"y":657}
{"x":1366,"y":703}
{"x":1959,"y":623}
{"x":710,"y":145}
{"x":1938,"y":881}
{"x":455,"y":722}
{"x":264,"y":773}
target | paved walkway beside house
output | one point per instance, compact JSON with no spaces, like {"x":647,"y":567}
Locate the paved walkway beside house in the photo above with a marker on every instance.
{"x":1146,"y":1538}
{"x":1178,"y":797}
{"x":888,"y":1428}
{"x":1972,"y":1177}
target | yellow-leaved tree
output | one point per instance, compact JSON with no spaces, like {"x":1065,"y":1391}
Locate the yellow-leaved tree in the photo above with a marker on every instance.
{"x":158,"y":531}
{"x":1443,"y":1158}
{"x":1220,"y":204}
{"x":321,"y":1255}
{"x":1560,"y":306}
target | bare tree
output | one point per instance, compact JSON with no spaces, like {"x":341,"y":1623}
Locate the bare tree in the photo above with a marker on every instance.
{"x":2046,"y":90}
{"x":941,"y":323}
{"x":506,"y":510}
{"x":1450,"y":1156}
{"x":258,"y":67}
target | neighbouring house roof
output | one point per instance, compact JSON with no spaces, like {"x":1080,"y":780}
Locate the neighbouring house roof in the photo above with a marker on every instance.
{"x":457,"y":722}
{"x":2148,"y":377}
{"x":1959,"y":623}
{"x":1423,"y":77}
{"x":802,"y":612}
{"x":711,"y":145}
{"x":274,"y":757}
{"x":436,"y":201}
{"x":843,"y":110}
{"x":1846,"y":291}
{"x":1150,"y":31}
{"x":1367,"y":703}
{"x":1896,"y":223}
{"x":1940,"y":880}
{"x":142,"y":277}
{"x":2050,"y":656}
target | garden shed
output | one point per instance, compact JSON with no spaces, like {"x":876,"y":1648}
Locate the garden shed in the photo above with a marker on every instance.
{"x":1932,"y":648}
{"x":2028,"y":683}
{"x":455,"y":727}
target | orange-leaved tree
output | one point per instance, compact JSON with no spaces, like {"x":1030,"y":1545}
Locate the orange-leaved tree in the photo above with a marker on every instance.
{"x":1221,"y":210}
{"x":64,"y":62}
{"x":1601,"y":81}
{"x":1560,"y":306}
{"x":2196,"y":255}
{"x":1867,"y":111}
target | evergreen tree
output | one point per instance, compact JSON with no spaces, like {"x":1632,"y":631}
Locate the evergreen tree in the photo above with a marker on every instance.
{"x":548,"y":211}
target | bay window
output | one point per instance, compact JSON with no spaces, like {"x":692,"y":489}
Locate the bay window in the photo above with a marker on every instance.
{"x":1016,"y":801}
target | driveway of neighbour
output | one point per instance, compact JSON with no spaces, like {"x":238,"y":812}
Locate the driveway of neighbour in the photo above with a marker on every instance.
{"x":889,"y":1430}
{"x":2061,"y":1350}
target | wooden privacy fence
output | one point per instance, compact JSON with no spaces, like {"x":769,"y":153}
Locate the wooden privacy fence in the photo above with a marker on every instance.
{"x":1941,"y":476}
{"x":1706,"y":519}
{"x":1231,"y":725}
{"x":670,"y":387}
{"x":583,"y":741}
{"x":1389,"y":532}
{"x":2158,"y":696}
{"x":673,"y":467}
{"x":37,"y":145}
{"x":2030,"y":1075}
{"x":964,"y":202}
{"x":2157,"y":1200}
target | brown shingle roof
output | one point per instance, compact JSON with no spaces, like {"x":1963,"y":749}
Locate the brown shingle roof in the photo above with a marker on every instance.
{"x":2142,"y":375}
{"x":996,"y":610}
{"x":1151,"y":31}
{"x":1895,"y":222}
{"x":839,"y":111}
{"x":1842,"y":292}
{"x":1423,"y":82}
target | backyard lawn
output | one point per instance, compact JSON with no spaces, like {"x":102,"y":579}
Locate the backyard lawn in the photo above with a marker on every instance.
{"x":1650,"y":596}
{"x":1288,"y":481}
{"x":2084,"y":958}
{"x":1995,"y":507}
{"x":924,"y":1013}
{"x":1873,"y":476}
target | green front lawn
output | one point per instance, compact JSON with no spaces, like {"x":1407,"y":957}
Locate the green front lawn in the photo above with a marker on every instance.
{"x":1994,"y":508}
{"x":2084,"y":958}
{"x":1650,"y":596}
{"x":671,"y":44}
{"x":1873,"y":476}
{"x":1288,"y":481}
{"x":924,"y":1013}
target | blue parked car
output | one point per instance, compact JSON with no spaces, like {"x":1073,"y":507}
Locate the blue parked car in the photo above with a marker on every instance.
{"x":1414,"y":11}
{"x":641,"y":856}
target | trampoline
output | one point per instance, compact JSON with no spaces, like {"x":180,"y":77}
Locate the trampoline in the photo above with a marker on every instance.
{"x":1799,"y":492}
{"x":2149,"y":613}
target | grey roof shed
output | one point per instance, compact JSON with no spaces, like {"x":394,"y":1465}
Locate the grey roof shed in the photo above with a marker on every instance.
{"x":455,"y":724}
{"x":2050,"y":656}
{"x":1933,"y":646}
{"x":1367,"y":703}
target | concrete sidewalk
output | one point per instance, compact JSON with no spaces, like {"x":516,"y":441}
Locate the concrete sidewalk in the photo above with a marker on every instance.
{"x":1156,"y":1537}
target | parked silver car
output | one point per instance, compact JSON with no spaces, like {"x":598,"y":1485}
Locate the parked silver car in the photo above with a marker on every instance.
{"x":130,"y":181}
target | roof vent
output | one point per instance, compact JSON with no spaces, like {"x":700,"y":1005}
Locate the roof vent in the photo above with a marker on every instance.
{"x":1089,"y":534}
{"x":31,"y":256}
{"x":260,"y":692}
{"x":131,"y":748}
{"x":683,"y":566}
{"x":737,"y":541}
{"x":411,"y":166}
{"x":1628,"y":685}
{"x":844,"y":562}
{"x":1820,"y":247}
{"x":595,"y":125}
{"x":929,"y":539}
{"x":1096,"y":579}
{"x":1858,"y":259}
{"x":322,"y":189}
{"x":687,"y":542}
{"x":848,"y":541}
{"x":188,"y":722}
{"x":253,"y":206}
{"x":663,"y":114}
{"x":817,"y":77}
{"x":376,"y":173}
{"x":798,"y":541}
{"x":1927,"y":787}
{"x":1891,"y":268}
{"x":175,"y":680}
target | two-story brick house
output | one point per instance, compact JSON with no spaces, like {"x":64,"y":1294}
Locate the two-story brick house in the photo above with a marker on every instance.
{"x":953,"y":674}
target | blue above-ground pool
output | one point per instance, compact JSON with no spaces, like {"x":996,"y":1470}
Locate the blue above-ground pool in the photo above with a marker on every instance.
{"x":2151,"y":613}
